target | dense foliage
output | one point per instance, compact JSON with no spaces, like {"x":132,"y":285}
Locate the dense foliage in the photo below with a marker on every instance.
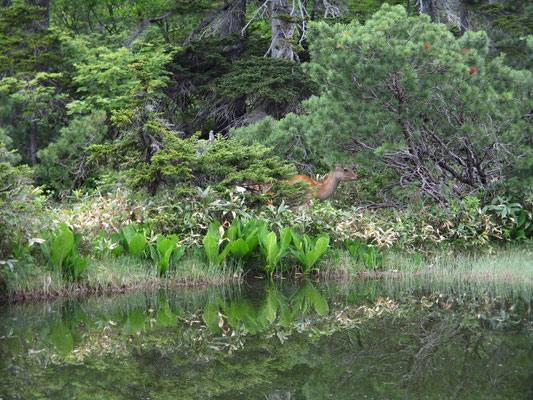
{"x":184,"y":105}
{"x":405,"y":94}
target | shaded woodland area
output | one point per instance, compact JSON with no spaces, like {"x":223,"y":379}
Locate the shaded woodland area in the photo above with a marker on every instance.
{"x":218,"y":65}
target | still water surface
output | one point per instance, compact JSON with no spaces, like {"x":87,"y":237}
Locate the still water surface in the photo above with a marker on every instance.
{"x":290,"y":340}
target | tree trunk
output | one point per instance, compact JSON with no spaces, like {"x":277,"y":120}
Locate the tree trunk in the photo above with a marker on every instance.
{"x":426,"y":7}
{"x":33,"y":144}
{"x":463,"y":20}
{"x":282,"y":30}
{"x":232,"y":22}
{"x":231,"y":26}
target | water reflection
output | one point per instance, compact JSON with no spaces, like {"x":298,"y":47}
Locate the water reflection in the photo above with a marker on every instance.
{"x":364,"y":339}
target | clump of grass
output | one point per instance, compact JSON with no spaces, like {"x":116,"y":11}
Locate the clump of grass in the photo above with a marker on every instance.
{"x":121,"y":271}
{"x":111,"y":273}
{"x":508,"y":266}
{"x":506,"y":271}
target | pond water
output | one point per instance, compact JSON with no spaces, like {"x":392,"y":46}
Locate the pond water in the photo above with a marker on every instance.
{"x":368,"y":339}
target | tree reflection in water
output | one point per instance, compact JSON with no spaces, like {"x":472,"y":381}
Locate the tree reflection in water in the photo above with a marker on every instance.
{"x":274,"y":341}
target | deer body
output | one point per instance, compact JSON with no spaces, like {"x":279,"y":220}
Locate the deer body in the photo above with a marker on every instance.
{"x":323,"y":190}
{"x":320,"y":190}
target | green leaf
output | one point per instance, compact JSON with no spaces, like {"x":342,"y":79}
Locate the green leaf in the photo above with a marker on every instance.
{"x":117,"y":250}
{"x":128,"y":232}
{"x":137,"y":245}
{"x":211,"y":247}
{"x":164,"y":245}
{"x":272,"y":249}
{"x":76,"y":266}
{"x":239,"y":248}
{"x":62,"y":245}
{"x":177,"y":253}
{"x":285,"y":240}
{"x":162,"y":265}
{"x":320,"y":247}
{"x":222,"y":255}
{"x":155,"y":255}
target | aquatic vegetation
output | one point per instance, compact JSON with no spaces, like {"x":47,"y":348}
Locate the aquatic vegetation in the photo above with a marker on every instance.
{"x":272,"y":249}
{"x":244,"y":236}
{"x":308,"y":251}
{"x":364,"y":249}
{"x":60,"y":249}
{"x":166,"y":252}
{"x":212,"y":243}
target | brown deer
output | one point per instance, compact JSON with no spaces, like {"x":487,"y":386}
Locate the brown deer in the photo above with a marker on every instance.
{"x":320,"y":190}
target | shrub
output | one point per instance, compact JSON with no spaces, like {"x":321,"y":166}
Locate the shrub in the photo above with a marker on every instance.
{"x":21,"y":204}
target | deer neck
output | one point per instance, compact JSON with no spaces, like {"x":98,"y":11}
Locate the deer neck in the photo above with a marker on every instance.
{"x":328,"y":187}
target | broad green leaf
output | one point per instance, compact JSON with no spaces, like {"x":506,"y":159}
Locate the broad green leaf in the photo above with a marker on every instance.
{"x":128,"y":232}
{"x":252,"y":240}
{"x":296,"y":238}
{"x":239,"y":248}
{"x":285,"y":240}
{"x":117,"y":250}
{"x":77,"y":265}
{"x":174,"y":238}
{"x":177,"y":253}
{"x":272,"y":249}
{"x":223,"y":254}
{"x":210,"y":247}
{"x":137,"y":245}
{"x":232,"y":231}
{"x":320,"y":247}
{"x":154,"y":254}
{"x":214,"y":230}
{"x":164,"y":245}
{"x":162,"y":265}
{"x":159,"y":238}
{"x":46,"y":249}
{"x":62,"y":245}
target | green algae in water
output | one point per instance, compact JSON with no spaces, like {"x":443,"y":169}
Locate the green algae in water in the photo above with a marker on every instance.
{"x":297,"y":340}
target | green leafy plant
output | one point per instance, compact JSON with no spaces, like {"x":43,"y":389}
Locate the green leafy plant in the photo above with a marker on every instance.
{"x":308,"y":251}
{"x":166,"y":252}
{"x":373,"y":258}
{"x":60,"y":249}
{"x":272,"y":250}
{"x":356,"y":247}
{"x":134,"y":238}
{"x":365,"y":250}
{"x":243,"y":237}
{"x":518,"y":219}
{"x":212,"y":242}
{"x":103,"y":245}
